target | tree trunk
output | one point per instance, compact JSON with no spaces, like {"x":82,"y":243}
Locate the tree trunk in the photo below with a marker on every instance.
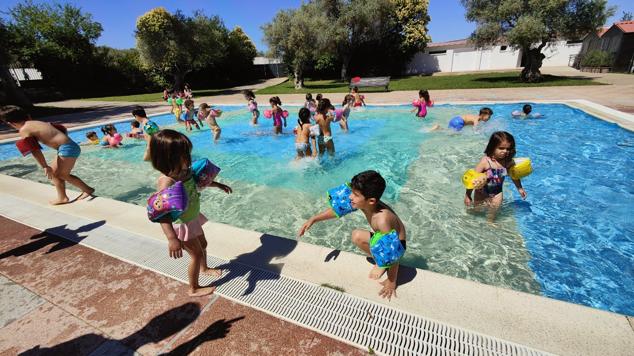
{"x":298,"y":73}
{"x":14,"y":93}
{"x":533,"y":61}
{"x":179,"y":81}
{"x":345,"y":62}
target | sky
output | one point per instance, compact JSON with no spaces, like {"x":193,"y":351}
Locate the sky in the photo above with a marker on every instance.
{"x":118,"y":17}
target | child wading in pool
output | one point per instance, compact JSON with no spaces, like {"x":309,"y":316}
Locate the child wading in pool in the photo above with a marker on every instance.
{"x":366,"y":190}
{"x":252,"y":105}
{"x":53,"y":136}
{"x":458,"y":122}
{"x":190,"y":117}
{"x":209,"y":115}
{"x":323,"y":119}
{"x":497,"y":161}
{"x":170,"y":153}
{"x":302,"y":134}
{"x":149,"y":128}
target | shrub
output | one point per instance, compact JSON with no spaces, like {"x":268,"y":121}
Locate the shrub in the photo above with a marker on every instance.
{"x":597,"y":58}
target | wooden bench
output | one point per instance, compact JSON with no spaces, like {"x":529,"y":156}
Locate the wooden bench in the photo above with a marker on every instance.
{"x":372,"y":82}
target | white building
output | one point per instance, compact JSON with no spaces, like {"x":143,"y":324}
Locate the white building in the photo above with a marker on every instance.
{"x":462,"y":56}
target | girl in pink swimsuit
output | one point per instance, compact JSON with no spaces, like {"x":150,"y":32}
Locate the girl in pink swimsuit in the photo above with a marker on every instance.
{"x":276,"y":110}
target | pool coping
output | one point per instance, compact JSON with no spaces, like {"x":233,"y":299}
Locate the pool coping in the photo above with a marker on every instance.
{"x":543,"y":323}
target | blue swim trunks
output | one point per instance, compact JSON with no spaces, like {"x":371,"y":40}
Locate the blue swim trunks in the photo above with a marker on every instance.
{"x":456,"y":124}
{"x":69,"y":149}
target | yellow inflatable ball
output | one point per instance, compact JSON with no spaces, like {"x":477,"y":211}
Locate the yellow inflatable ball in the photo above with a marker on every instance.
{"x":474,"y":180}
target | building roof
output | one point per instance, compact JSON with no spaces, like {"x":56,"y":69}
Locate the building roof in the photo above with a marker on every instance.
{"x":602,"y":30}
{"x":625,"y":26}
{"x":265,"y":60}
{"x":448,"y":43}
{"x":23,"y":74}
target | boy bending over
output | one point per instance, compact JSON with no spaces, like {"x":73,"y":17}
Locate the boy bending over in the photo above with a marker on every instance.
{"x":386,"y":242}
{"x":53,"y":136}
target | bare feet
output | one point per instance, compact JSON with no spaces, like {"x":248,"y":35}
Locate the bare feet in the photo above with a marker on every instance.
{"x":376,"y":272}
{"x":199,"y":292}
{"x":213,"y":272}
{"x":435,"y":127}
{"x":85,"y":195}
{"x":65,"y":200}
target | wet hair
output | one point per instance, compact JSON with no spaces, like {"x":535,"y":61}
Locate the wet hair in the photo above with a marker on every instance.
{"x":318,"y":97}
{"x":138,"y":111}
{"x":248,"y":94}
{"x":90,"y":134}
{"x":189,"y":102}
{"x":135,"y":124}
{"x":346,"y":99}
{"x":424,"y":94}
{"x":275,"y":100}
{"x":106,"y":129}
{"x":304,"y":116}
{"x":170,"y":153}
{"x":13,"y":114}
{"x":527,"y":109}
{"x":203,"y":106}
{"x":355,"y":89}
{"x":486,"y":111}
{"x":323,"y":106}
{"x":309,"y":96}
{"x":369,"y":183}
{"x":496,"y":139}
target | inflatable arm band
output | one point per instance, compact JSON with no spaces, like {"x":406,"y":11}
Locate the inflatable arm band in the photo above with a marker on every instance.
{"x":204,"y":172}
{"x":170,"y":202}
{"x":28,"y":145}
{"x":339,"y":200}
{"x":386,"y":248}
{"x":474,"y":180}
{"x":521,"y":169}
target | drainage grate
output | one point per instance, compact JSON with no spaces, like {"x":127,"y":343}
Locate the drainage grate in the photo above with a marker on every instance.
{"x":351,"y":319}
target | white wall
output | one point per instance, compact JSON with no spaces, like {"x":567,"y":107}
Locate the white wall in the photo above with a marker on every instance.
{"x":471,"y":59}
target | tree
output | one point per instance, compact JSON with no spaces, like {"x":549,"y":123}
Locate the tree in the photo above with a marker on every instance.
{"x":57,"y":39}
{"x":627,"y":16}
{"x":176,"y":44}
{"x":10,"y":92}
{"x":240,"y":54}
{"x":531,"y":25}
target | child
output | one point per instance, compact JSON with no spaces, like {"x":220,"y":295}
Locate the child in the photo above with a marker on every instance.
{"x":458,"y":122}
{"x":367,"y":188}
{"x":358,"y":99}
{"x":497,"y":160}
{"x":348,"y":103}
{"x":310,"y":103}
{"x":135,"y":130}
{"x":54,"y":136}
{"x":170,"y":153}
{"x":187,"y":92}
{"x":209,"y":115}
{"x":111,"y":138}
{"x":302,"y":134}
{"x":190,"y":119}
{"x":177,"y":108}
{"x":149,"y":128}
{"x":276,"y":111}
{"x":323,"y":118}
{"x":526,"y":112}
{"x":253,"y":106}
{"x":166,"y":94}
{"x":422,"y":103}
{"x":93,"y":138}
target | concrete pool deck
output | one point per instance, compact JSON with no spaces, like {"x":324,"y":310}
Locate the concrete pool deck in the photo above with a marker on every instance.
{"x":541,"y":323}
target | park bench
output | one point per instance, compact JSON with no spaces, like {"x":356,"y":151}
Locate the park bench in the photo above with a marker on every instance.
{"x":370,"y":82}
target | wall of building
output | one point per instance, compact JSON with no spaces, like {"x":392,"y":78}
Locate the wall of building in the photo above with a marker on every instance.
{"x":465,"y":59}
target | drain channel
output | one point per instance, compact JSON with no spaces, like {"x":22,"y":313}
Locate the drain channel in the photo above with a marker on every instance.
{"x":339,"y":315}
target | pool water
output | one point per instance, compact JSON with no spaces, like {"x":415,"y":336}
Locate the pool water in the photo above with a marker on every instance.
{"x":571,"y":239}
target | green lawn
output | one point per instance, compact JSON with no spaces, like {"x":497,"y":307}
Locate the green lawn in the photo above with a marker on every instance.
{"x":462,"y":81}
{"x":154,"y":97}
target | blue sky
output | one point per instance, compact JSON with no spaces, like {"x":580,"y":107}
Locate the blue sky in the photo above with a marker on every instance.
{"x":118,"y":17}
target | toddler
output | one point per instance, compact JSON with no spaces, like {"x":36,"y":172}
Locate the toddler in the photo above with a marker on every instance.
{"x":190,"y":118}
{"x":253,"y":106}
{"x":208,"y":114}
{"x":302,"y":134}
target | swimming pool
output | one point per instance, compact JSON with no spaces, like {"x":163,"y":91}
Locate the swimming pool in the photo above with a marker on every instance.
{"x":572,"y":239}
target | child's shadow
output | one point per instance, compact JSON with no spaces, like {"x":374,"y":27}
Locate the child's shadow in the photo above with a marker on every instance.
{"x":160,"y":327}
{"x":405,"y":274}
{"x":60,"y":237}
{"x":271,"y":247}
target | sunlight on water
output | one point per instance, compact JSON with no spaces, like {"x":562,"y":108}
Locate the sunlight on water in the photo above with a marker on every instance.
{"x":273,"y":193}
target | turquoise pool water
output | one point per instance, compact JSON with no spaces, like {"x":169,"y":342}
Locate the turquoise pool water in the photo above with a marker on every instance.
{"x":572,"y":239}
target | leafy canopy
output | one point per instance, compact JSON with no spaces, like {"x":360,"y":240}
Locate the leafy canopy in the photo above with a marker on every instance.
{"x":526,"y":22}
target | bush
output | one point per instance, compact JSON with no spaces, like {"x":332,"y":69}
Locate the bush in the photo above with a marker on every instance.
{"x":597,"y":58}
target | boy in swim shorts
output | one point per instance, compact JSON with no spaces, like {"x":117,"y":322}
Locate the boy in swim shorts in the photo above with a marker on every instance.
{"x":366,"y":190}
{"x":54,"y":136}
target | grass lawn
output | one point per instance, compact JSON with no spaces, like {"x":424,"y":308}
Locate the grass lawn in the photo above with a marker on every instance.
{"x":461,"y":81}
{"x":154,"y":97}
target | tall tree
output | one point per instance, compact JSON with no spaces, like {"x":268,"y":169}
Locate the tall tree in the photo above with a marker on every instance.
{"x":57,"y":39}
{"x":10,"y":91}
{"x":240,"y":54}
{"x":531,"y":25}
{"x":177,"y":44}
